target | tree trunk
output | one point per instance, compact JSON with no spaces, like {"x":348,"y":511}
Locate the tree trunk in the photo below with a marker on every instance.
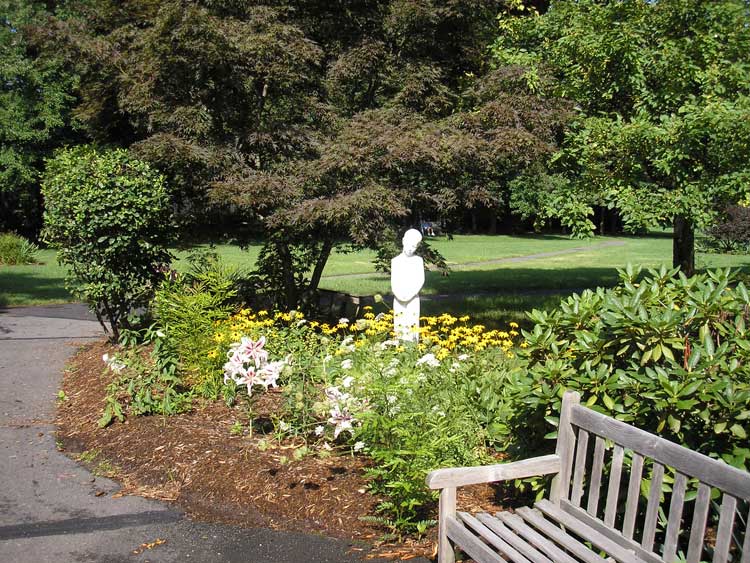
{"x":320,"y":265}
{"x":287,"y":272}
{"x":493,"y":221}
{"x":683,"y":245}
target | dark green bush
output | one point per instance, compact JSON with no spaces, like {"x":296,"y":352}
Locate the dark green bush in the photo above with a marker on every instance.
{"x":666,"y":353}
{"x":15,"y":249}
{"x":733,"y":233}
{"x":108,"y":215}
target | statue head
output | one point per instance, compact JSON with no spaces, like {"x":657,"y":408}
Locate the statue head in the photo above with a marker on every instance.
{"x":411,"y":241}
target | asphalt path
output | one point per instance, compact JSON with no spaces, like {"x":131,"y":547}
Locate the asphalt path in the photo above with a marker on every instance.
{"x":54,"y":510}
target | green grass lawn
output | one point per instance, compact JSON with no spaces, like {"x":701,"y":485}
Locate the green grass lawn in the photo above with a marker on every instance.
{"x":533,"y":282}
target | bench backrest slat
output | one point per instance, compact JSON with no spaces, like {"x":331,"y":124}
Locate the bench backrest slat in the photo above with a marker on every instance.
{"x":698,"y":526}
{"x":596,"y":476}
{"x":675,"y":517}
{"x":566,"y":443}
{"x":693,"y":464}
{"x":579,"y":474}
{"x":634,"y":494}
{"x":746,"y":543}
{"x":726,"y":523}
{"x":652,"y":509}
{"x":613,"y":490}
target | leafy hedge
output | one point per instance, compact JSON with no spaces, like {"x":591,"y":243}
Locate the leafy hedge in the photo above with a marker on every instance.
{"x":110,"y":217}
{"x":666,"y":353}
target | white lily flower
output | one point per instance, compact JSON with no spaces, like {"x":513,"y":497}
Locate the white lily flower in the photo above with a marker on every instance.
{"x":428,"y":359}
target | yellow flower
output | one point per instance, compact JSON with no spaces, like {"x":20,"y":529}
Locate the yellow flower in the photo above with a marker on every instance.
{"x":513,"y":324}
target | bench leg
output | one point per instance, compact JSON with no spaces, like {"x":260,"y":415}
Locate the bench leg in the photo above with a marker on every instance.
{"x":447,"y":509}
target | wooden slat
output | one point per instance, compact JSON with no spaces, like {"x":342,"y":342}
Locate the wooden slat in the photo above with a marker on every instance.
{"x":698,"y":526}
{"x":459,"y":476}
{"x":513,"y":539}
{"x":493,"y":539}
{"x":446,"y":510}
{"x":611,"y":533}
{"x":580,"y":467}
{"x":566,"y":441}
{"x":710,"y":471}
{"x":538,"y":540}
{"x":596,"y":477}
{"x":550,"y":530}
{"x":724,"y":533}
{"x":581,"y":529}
{"x":674,"y":521}
{"x":470,"y":544}
{"x":634,"y":495}
{"x":746,"y":543}
{"x":652,"y":509}
{"x":613,"y":490}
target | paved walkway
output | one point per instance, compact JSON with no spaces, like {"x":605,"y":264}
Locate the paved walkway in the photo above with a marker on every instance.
{"x":53,"y":510}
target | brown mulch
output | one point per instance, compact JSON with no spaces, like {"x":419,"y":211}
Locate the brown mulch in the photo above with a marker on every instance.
{"x":213,"y":474}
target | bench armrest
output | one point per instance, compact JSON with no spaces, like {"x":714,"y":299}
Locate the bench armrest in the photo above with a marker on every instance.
{"x":459,"y":476}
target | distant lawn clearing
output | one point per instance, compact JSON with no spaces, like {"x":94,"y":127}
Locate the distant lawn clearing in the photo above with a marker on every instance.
{"x":480,"y":264}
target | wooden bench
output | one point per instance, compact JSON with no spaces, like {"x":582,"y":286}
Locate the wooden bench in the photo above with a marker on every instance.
{"x":706,"y":518}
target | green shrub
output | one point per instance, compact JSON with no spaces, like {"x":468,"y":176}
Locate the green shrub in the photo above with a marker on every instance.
{"x":15,"y":249}
{"x":108,"y":214}
{"x":666,"y":353}
{"x":732,"y":234}
{"x":186,"y":308}
{"x":145,"y":381}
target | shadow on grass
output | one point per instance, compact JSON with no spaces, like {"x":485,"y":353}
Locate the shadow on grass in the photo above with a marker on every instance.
{"x":23,"y":288}
{"x":520,"y":280}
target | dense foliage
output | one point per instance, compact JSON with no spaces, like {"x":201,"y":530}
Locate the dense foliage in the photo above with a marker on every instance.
{"x":311,"y":125}
{"x":663,"y":90}
{"x":732,"y":233}
{"x":667,"y":354}
{"x":107,"y":213}
{"x":35,"y":103}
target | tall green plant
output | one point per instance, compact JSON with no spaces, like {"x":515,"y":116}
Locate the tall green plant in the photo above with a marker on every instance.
{"x":108,"y":215}
{"x":667,"y":354}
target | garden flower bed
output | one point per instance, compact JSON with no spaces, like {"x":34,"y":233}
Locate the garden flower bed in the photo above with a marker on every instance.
{"x":280,"y":420}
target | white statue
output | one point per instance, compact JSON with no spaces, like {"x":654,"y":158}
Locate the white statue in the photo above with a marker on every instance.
{"x":407,"y":278}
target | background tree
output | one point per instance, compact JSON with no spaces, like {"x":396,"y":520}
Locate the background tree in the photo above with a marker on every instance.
{"x":664,"y":129}
{"x":35,"y":103}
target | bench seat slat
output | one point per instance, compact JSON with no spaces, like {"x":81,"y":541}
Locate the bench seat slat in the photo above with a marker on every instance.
{"x":580,"y":528}
{"x":493,"y":539}
{"x":513,"y":539}
{"x":552,"y":531}
{"x":538,"y":540}
{"x":611,"y":533}
{"x":694,"y":464}
{"x":470,"y":544}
